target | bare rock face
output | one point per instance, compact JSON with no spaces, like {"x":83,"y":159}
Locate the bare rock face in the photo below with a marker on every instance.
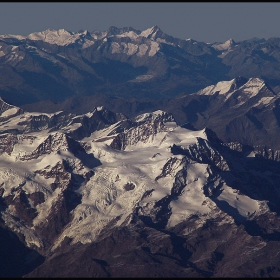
{"x":7,"y":142}
{"x":146,"y":127}
{"x":36,"y":198}
{"x":22,"y":208}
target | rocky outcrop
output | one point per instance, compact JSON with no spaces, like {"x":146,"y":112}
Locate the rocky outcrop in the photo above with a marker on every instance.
{"x":7,"y":142}
{"x":98,"y":119}
{"x":144,"y":130}
{"x":54,"y":143}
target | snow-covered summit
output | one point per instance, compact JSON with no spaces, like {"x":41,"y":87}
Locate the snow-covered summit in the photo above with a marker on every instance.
{"x":60,"y":37}
{"x":224,"y":46}
{"x":223,"y":87}
{"x":159,"y":114}
{"x":239,"y":91}
{"x":63,"y":37}
{"x":150,"y":32}
{"x":245,"y":87}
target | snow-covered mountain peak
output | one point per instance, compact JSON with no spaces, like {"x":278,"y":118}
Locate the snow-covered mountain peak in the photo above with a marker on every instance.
{"x":118,"y":44}
{"x":225,"y":88}
{"x":50,"y":32}
{"x":255,"y":83}
{"x":150,"y":32}
{"x":254,"y":86}
{"x":60,"y":37}
{"x":84,"y":32}
{"x":240,"y":90}
{"x":99,"y":108}
{"x":55,"y":142}
{"x":222,"y":88}
{"x":224,"y":46}
{"x":130,"y":34}
{"x":133,"y":34}
{"x":159,"y":114}
{"x":121,"y":32}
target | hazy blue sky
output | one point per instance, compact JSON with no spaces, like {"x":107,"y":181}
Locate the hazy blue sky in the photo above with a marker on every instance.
{"x":207,"y":22}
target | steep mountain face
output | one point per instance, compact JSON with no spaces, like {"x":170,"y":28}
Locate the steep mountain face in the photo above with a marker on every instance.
{"x":102,"y":195}
{"x":124,"y":62}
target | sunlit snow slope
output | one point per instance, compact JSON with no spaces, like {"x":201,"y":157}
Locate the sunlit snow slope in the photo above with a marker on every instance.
{"x":78,"y":176}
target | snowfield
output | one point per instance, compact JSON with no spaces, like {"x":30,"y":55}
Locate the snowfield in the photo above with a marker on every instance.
{"x":121,"y":180}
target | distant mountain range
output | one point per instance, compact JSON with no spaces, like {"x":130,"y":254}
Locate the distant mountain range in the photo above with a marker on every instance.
{"x":124,"y":62}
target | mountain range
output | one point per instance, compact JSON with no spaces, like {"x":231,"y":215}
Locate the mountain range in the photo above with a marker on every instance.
{"x":124,"y":62}
{"x":131,"y":153}
{"x":101,"y":195}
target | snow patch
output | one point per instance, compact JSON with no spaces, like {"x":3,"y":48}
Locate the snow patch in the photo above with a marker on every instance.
{"x":142,"y":49}
{"x":244,"y":204}
{"x":222,"y":87}
{"x":129,"y":34}
{"x":160,"y":40}
{"x":132,"y":48}
{"x":142,"y":78}
{"x":60,"y":37}
{"x":265,"y":101}
{"x":154,"y":48}
{"x":192,"y":199}
{"x":9,"y":112}
{"x":115,"y":47}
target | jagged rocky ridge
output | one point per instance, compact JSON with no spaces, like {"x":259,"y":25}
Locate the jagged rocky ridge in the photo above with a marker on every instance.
{"x":101,"y":195}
